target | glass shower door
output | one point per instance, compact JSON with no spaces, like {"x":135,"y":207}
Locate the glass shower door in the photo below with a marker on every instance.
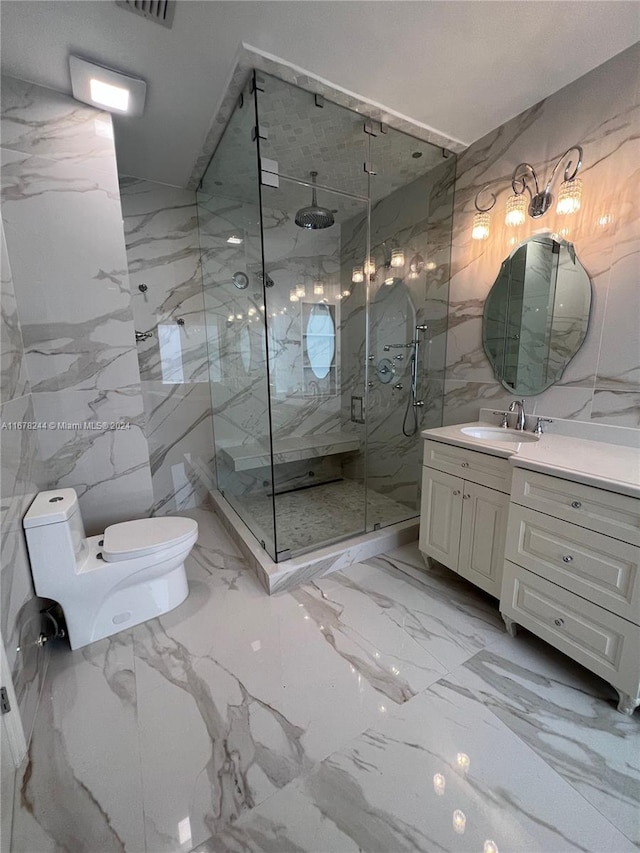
{"x":234,"y":294}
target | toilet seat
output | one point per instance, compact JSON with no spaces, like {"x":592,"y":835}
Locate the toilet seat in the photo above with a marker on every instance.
{"x":130,"y":539}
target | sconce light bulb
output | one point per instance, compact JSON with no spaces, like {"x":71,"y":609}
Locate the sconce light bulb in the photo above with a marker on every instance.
{"x":389,"y":280}
{"x":490,"y":846}
{"x":318,"y":288}
{"x":480,"y":229}
{"x":439,"y":784}
{"x":515,"y":210}
{"x":369,"y":267}
{"x":463,"y":761}
{"x":293,"y":295}
{"x":357,"y":276}
{"x":300,"y":291}
{"x":569,"y":197}
{"x":397,"y":258}
{"x":459,"y":821}
{"x":346,"y":293}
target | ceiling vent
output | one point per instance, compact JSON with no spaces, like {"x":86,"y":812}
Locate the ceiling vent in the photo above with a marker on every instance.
{"x":160,"y":11}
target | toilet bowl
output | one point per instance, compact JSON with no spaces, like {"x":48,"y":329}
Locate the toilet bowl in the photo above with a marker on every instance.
{"x":132,"y":572}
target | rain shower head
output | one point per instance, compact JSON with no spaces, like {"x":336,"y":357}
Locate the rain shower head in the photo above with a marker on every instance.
{"x":314,"y":217}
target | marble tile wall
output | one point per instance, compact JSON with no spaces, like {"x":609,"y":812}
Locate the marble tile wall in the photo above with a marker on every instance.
{"x":601,"y":112}
{"x":63,"y":225}
{"x":21,"y":477}
{"x":163,"y":255}
{"x":416,"y":217}
{"x":68,"y":352}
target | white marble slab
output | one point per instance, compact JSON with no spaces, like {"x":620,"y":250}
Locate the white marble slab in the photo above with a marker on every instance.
{"x":317,"y":720}
{"x":294,"y":448}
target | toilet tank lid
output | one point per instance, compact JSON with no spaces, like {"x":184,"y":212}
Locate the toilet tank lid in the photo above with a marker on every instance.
{"x":131,"y":539}
{"x":51,"y":508}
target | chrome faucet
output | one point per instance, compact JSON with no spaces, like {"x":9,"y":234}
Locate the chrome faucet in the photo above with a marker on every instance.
{"x":521,"y":418}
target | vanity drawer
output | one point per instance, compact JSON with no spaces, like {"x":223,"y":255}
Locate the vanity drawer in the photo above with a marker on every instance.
{"x":598,"y":568}
{"x":596,"y":509}
{"x":481,"y":468}
{"x":603,"y":642}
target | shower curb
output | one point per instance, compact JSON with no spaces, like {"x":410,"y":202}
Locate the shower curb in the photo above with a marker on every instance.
{"x":278,"y":577}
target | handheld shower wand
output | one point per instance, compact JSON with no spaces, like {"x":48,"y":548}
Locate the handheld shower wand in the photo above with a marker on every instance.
{"x":413,"y":404}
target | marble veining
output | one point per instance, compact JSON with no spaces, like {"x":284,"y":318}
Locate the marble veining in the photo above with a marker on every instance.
{"x":379,"y":708}
{"x":601,"y":112}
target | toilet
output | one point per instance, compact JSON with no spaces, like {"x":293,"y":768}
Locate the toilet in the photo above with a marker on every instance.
{"x":132,"y":572}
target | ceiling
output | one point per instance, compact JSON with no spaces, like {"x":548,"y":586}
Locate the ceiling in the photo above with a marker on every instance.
{"x":461,"y":68}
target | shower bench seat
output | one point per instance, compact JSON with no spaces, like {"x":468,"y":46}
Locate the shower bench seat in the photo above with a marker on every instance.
{"x":244,"y":457}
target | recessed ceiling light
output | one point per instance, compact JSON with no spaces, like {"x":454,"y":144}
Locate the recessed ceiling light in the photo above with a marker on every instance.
{"x":235,"y":241}
{"x":105,"y":88}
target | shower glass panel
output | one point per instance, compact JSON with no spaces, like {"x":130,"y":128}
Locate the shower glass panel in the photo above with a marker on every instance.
{"x":315,"y":440}
{"x":411,"y":216}
{"x":234,"y":287}
{"x":327,"y":342}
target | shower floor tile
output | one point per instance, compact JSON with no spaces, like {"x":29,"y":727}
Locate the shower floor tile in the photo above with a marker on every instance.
{"x":324,"y":720}
{"x":321,"y":514}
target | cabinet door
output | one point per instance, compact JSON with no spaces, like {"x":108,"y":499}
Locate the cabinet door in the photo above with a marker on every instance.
{"x":440,"y":516}
{"x":482,"y":537}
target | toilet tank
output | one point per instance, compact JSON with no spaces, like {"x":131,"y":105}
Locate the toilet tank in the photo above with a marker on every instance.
{"x":54,"y":530}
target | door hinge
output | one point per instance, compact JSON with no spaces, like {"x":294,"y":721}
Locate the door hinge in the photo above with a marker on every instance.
{"x":319,"y":100}
{"x":258,"y":133}
{"x":368,"y":128}
{"x":368,"y":167}
{"x":5,"y":705}
{"x":283,"y":555}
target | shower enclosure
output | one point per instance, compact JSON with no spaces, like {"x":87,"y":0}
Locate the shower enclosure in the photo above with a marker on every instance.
{"x":325,"y":241}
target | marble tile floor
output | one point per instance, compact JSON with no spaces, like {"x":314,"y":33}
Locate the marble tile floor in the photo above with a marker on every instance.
{"x":321,"y":514}
{"x":381,"y":708}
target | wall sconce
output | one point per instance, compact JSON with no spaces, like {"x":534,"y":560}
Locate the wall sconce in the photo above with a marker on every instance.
{"x":524,"y":179}
{"x":369,"y":267}
{"x":397,"y":258}
{"x":318,"y":288}
{"x":357,"y":275}
{"x":293,"y":295}
{"x":300,"y":291}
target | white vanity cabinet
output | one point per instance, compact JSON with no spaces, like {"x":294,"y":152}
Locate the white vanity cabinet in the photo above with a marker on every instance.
{"x":571,"y":575}
{"x":463,"y":518}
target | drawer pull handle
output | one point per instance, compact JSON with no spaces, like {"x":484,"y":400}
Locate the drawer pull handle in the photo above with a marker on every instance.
{"x":576,"y":504}
{"x":558,"y":622}
{"x":567,"y":559}
{"x":457,"y":492}
{"x":465,"y":464}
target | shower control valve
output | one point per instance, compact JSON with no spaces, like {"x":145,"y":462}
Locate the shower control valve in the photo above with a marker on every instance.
{"x":399,"y":357}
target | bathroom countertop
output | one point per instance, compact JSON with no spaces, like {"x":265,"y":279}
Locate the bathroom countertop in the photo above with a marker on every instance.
{"x":609,"y":466}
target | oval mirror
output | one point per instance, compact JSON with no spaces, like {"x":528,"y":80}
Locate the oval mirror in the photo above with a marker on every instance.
{"x":536,"y":314}
{"x":320,"y":340}
{"x":245,"y":348}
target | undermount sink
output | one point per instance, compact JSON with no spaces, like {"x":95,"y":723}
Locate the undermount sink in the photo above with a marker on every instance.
{"x":511,"y":436}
